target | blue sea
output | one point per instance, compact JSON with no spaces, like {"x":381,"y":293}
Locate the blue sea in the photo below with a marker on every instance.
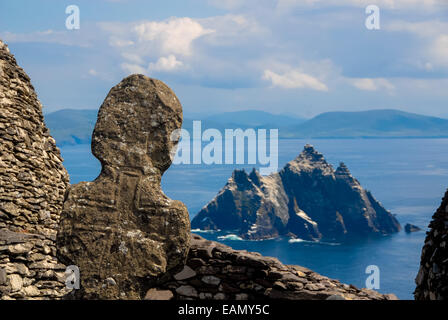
{"x":408,"y":176}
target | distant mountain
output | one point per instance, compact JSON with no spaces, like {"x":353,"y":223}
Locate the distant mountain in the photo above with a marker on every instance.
{"x":69,"y":126}
{"x":254,"y":118}
{"x":244,"y":120}
{"x":369,"y":124}
{"x":307,"y":199}
{"x":75,"y":126}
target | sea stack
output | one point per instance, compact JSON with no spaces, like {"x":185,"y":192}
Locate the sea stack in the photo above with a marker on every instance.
{"x":121,"y":230}
{"x":307,"y":199}
{"x":33,"y":183}
{"x":432,"y":278}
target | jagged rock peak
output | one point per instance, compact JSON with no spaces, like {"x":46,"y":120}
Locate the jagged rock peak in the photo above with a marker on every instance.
{"x":121,"y":230}
{"x":256,"y":177}
{"x":432,"y":278}
{"x":240,"y":176}
{"x":310,"y":159}
{"x":343,"y":170}
{"x":309,"y":152}
{"x":33,"y":183}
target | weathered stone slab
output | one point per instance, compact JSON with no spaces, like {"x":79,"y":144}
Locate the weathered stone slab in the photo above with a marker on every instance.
{"x":122,"y":225}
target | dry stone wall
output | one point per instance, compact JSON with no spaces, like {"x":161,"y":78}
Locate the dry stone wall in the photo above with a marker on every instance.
{"x":432,"y":278}
{"x":33,"y":183}
{"x":217,"y":272}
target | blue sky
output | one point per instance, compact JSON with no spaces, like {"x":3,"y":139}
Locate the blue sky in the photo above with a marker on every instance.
{"x":300,"y":57}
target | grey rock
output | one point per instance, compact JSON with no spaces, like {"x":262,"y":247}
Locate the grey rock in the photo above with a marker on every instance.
{"x":3,"y":277}
{"x":187,"y":291}
{"x":16,"y":282}
{"x":186,"y":273}
{"x":411,"y":228}
{"x":211,"y":280}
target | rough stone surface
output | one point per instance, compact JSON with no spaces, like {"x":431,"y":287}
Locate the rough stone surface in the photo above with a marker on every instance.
{"x":33,"y":183}
{"x":186,"y":273}
{"x":432,"y":278}
{"x":307,"y":199}
{"x":122,"y":226}
{"x":242,"y":275}
{"x":154,"y":294}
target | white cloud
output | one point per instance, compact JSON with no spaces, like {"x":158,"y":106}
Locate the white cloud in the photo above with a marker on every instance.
{"x":439,"y":50}
{"x":434,"y":33}
{"x":372,"y":84}
{"x":294,"y":79}
{"x":132,"y":57}
{"x":169,"y":63}
{"x":93,"y":72}
{"x":172,"y":44}
{"x":174,"y":36}
{"x":151,"y":46}
{"x":232,"y":29}
{"x":132,"y":68}
{"x":115,"y":42}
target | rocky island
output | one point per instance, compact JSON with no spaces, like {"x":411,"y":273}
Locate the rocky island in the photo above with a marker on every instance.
{"x":307,"y":199}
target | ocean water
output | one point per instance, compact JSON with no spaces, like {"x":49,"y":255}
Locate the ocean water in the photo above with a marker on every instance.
{"x":408,"y":176}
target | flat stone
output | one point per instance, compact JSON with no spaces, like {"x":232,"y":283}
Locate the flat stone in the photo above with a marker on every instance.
{"x":187,"y":291}
{"x":155,"y":294}
{"x":205,"y":296}
{"x":31,"y":291}
{"x":211,"y":280}
{"x":3,"y":278}
{"x":16,"y":282}
{"x":219,"y":296}
{"x":241,"y":296}
{"x":20,"y":248}
{"x":186,"y":273}
{"x":19,"y":268}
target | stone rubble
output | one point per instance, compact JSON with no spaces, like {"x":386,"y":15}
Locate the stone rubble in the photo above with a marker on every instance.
{"x":214,"y":271}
